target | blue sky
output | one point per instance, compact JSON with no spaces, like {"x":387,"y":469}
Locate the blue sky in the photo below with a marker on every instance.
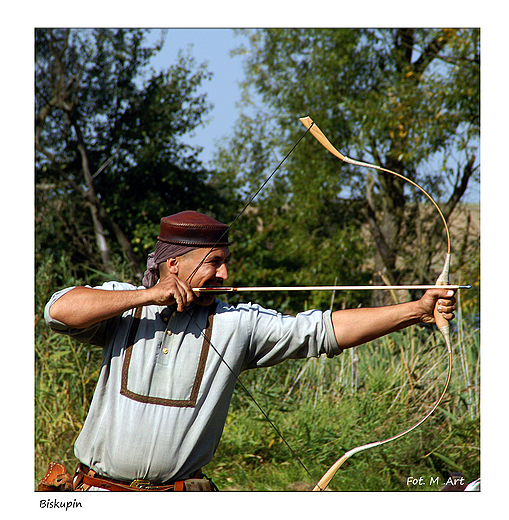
{"x":213,"y":46}
{"x":223,"y":90}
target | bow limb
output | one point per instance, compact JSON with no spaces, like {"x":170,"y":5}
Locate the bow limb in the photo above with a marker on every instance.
{"x":441,"y":322}
{"x":443,"y":326}
{"x":320,"y":137}
{"x":443,"y":279}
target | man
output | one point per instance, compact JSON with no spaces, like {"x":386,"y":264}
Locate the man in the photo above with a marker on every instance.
{"x":166,"y":380}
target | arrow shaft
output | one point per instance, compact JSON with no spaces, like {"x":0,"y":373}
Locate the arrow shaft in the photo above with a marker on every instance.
{"x":219,"y":290}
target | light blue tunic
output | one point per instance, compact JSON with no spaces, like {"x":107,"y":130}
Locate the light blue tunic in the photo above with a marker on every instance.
{"x":163,"y":394}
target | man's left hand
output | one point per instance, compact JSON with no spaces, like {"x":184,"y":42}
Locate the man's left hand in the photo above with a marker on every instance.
{"x":443,"y":299}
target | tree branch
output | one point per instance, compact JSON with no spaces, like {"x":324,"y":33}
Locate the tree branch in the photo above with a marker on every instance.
{"x":101,"y":213}
{"x":432,"y":51}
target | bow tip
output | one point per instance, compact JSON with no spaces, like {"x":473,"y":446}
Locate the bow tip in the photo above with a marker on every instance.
{"x":306,"y":121}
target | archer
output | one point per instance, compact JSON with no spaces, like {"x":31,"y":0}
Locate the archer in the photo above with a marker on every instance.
{"x":163,"y":394}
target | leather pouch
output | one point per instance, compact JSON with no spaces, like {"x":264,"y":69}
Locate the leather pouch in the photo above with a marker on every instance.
{"x":56,"y":479}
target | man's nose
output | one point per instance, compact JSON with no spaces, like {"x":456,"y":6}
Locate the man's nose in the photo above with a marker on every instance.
{"x":222,"y":272}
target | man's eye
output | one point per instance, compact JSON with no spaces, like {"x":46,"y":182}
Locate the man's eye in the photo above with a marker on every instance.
{"x":218,"y":262}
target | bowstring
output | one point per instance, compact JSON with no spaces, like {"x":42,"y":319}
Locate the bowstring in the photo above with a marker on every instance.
{"x":250,"y":200}
{"x":221,"y":357}
{"x":250,"y":395}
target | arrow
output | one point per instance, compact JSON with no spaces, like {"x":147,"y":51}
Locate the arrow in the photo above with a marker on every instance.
{"x":221,"y":290}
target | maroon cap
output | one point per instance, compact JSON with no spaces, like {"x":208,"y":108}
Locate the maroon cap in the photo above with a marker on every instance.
{"x":191,"y":228}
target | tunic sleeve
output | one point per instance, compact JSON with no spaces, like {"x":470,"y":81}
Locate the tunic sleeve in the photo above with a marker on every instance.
{"x":276,"y":337}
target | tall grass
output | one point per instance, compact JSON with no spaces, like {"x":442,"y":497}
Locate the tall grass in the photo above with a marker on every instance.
{"x":323,"y":407}
{"x":326,"y":407}
{"x":65,"y":376}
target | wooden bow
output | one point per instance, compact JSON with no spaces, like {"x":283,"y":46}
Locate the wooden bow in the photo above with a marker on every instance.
{"x":441,"y":322}
{"x":439,"y":319}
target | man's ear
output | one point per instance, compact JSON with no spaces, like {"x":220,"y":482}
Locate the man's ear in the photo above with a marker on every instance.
{"x":172,"y":266}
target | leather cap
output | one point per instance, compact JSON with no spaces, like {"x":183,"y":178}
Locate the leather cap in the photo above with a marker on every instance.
{"x":191,"y":228}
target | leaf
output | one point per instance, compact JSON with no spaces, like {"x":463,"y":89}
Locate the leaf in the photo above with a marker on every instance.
{"x":450,"y":463}
{"x":60,"y":353}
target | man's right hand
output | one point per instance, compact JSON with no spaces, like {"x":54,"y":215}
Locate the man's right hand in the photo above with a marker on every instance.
{"x":170,"y":290}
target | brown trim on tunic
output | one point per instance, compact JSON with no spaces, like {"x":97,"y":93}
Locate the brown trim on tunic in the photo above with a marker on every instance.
{"x":186,"y":403}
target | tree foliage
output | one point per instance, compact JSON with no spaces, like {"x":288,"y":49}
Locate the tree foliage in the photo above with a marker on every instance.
{"x":406,"y":99}
{"x":110,"y":155}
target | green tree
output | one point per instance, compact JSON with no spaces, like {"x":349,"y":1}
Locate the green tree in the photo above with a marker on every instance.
{"x":110,"y":161}
{"x":404,"y":99}
{"x":110,"y":158}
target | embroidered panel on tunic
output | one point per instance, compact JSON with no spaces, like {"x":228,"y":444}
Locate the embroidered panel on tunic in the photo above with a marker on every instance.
{"x":173,"y":389}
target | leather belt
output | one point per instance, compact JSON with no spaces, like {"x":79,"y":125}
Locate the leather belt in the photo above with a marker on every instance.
{"x":85,"y":476}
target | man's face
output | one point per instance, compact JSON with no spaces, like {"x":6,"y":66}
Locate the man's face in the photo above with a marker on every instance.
{"x":212,"y":271}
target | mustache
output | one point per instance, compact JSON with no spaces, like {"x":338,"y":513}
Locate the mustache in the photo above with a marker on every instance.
{"x":213,"y":283}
